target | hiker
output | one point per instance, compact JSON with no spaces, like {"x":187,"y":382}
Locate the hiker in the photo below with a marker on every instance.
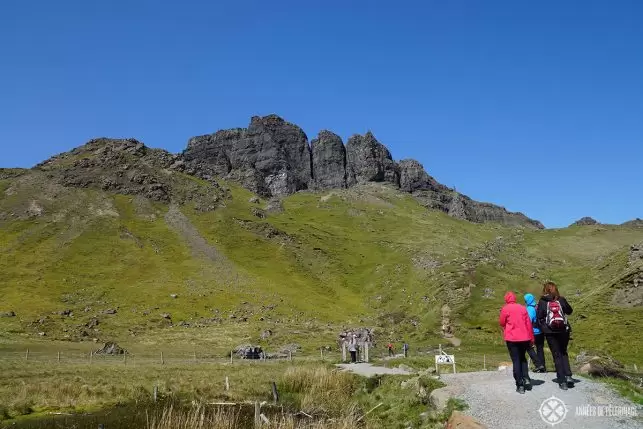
{"x":552,"y":313}
{"x":519,"y":335}
{"x":353,"y":349}
{"x":405,"y":348}
{"x":538,"y":355}
{"x":390,"y":349}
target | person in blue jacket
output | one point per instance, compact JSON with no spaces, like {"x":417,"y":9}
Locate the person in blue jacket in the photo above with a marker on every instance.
{"x":537,"y":356}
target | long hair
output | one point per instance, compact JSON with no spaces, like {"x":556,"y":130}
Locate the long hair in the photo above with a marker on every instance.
{"x":550,"y":288}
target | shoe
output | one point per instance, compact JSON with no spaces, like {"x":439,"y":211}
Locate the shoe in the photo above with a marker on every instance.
{"x":520,"y":389}
{"x":526,"y":382}
{"x":540,"y":369}
{"x":570,"y":381}
{"x":563,"y":386}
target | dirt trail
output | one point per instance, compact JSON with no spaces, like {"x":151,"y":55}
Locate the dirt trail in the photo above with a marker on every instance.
{"x":492,"y":399}
{"x":368,"y":370}
{"x":181,"y":224}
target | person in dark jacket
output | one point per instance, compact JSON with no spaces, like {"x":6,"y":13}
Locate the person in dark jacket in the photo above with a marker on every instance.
{"x":519,"y":335}
{"x":538,"y":355}
{"x":552,"y":313}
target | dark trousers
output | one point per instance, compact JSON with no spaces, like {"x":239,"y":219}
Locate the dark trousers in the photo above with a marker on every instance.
{"x":517,"y":352}
{"x":390,"y":352}
{"x":353,"y":356}
{"x":558,"y":346}
{"x":537,"y":354}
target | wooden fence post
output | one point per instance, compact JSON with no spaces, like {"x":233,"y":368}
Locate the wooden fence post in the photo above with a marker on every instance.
{"x":343,"y":352}
{"x":124,"y":358}
{"x":257,"y":415}
{"x":321,"y":351}
{"x":58,"y":357}
{"x":290,"y":355}
{"x":227,"y":383}
{"x":366,"y":352}
{"x":156,"y":392}
{"x":231,"y":354}
{"x":194,"y":356}
{"x":275,"y":393}
{"x":484,"y":362}
{"x":91,"y":356}
{"x":162,"y":360}
{"x":27,"y":355}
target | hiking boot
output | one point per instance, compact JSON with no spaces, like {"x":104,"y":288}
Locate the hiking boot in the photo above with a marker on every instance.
{"x":520,"y":389}
{"x":563,"y":386}
{"x":540,"y":369}
{"x":526,"y":382}
{"x":570,"y":381}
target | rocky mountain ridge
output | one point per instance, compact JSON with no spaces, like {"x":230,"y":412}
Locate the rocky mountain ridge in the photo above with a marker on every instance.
{"x":272,"y":157}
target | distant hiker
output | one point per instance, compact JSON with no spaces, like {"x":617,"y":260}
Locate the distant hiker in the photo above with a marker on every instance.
{"x":519,"y":335}
{"x":552,"y":314}
{"x":538,"y":355}
{"x":405,"y":349}
{"x":352,"y":348}
{"x":390,"y":349}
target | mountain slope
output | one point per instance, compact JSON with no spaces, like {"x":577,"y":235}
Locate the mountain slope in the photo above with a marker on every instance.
{"x":130,"y":244}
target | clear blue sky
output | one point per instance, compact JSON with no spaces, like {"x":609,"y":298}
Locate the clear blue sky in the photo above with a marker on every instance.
{"x":534,"y":105}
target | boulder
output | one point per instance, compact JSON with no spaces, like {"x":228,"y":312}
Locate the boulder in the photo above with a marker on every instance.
{"x":459,"y":420}
{"x":274,"y":206}
{"x":7,"y":314}
{"x":439,"y":398}
{"x":368,"y":160}
{"x":110,"y":311}
{"x":599,"y":365}
{"x":248,"y":351}
{"x":110,"y":348}
{"x":328,"y":161}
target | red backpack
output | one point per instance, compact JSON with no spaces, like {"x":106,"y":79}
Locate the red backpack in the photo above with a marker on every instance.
{"x":556,"y":319}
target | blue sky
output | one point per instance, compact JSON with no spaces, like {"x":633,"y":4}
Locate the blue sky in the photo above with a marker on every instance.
{"x":537,"y":106}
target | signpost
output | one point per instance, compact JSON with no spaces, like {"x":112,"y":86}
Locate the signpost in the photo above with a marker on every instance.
{"x":444,"y":359}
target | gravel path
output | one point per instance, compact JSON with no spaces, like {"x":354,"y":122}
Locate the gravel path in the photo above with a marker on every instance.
{"x":368,"y":370}
{"x":492,"y":399}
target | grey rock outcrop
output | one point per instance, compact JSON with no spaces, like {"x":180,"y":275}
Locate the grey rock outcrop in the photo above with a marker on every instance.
{"x":271,"y":157}
{"x":636,"y":254}
{"x":433,"y":195}
{"x":585,"y":221}
{"x":368,"y":160}
{"x":127,"y":166}
{"x":634,"y":223}
{"x":328,"y":161}
{"x":413,"y":177}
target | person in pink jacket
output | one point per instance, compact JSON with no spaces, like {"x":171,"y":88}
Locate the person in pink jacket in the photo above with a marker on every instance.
{"x":519,"y":335}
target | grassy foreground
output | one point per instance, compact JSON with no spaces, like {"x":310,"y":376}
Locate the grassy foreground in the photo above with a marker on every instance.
{"x":329,"y":397}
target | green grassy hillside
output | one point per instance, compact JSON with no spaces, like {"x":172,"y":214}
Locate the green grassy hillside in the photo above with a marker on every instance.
{"x":368,"y":256}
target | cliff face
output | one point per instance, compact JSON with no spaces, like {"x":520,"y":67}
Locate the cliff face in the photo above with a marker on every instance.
{"x":272,"y":158}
